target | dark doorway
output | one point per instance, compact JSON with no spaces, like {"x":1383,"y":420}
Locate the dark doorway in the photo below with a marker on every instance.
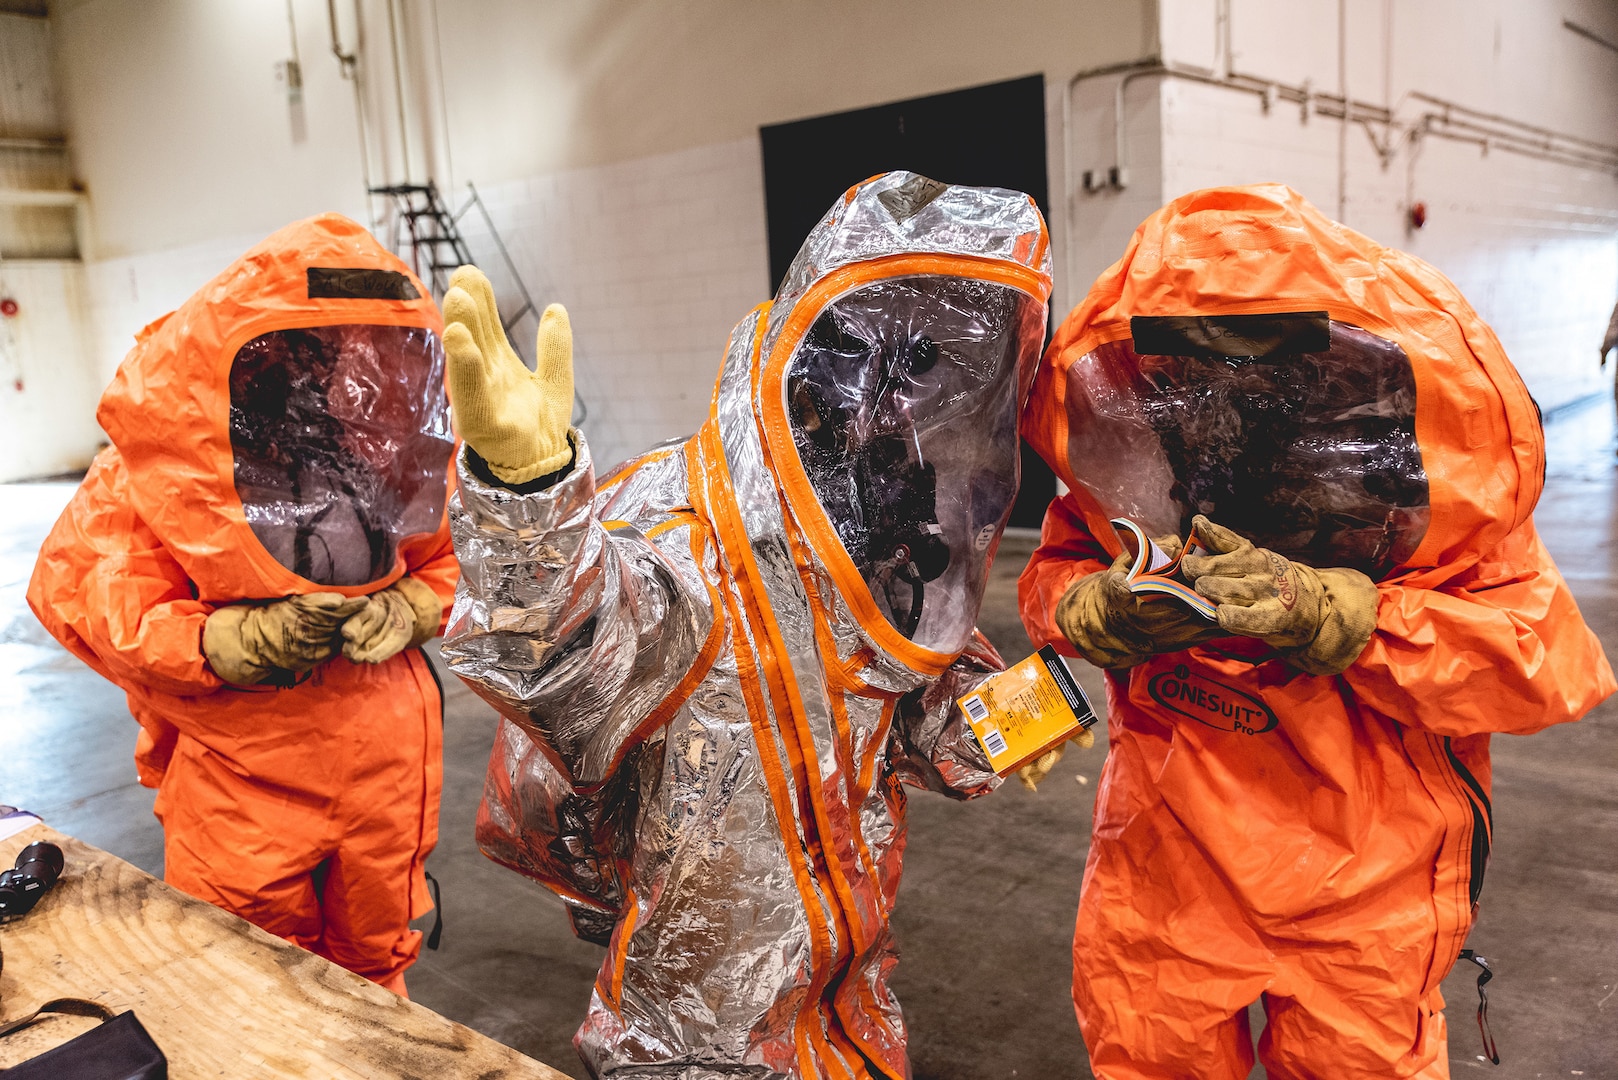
{"x":987,"y":136}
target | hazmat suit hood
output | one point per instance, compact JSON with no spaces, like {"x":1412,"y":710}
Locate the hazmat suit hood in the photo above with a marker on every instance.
{"x":868,"y":417}
{"x":1335,"y":400}
{"x":286,"y":429}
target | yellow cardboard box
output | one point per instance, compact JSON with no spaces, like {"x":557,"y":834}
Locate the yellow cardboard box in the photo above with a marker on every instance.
{"x":1025,"y":710}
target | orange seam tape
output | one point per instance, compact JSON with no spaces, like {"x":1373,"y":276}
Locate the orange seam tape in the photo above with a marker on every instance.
{"x":783,"y":450}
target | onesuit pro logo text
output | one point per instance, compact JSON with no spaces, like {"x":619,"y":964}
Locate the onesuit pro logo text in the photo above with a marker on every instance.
{"x":1208,"y":702}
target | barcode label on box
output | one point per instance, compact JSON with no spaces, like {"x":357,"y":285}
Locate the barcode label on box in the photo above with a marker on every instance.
{"x":1025,"y":710}
{"x":994,"y":742}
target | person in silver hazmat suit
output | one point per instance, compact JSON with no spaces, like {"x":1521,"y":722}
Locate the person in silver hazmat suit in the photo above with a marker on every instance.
{"x":717,"y":664}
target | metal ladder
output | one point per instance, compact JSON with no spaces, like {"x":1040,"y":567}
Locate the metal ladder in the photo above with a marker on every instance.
{"x":422,"y":223}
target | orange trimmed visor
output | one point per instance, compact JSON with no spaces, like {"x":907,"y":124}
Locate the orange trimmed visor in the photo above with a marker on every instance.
{"x":1293,"y":429}
{"x":903,"y":400}
{"x":341,"y":443}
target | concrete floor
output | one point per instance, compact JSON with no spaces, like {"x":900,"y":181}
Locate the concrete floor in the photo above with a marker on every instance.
{"x":990,"y":888}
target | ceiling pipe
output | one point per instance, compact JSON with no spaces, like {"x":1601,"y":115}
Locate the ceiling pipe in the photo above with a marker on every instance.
{"x":1443,"y":119}
{"x":1348,"y":111}
{"x":348,"y":64}
{"x":399,"y":90}
{"x":38,"y":197}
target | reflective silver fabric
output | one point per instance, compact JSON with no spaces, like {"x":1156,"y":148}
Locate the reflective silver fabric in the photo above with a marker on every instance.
{"x":900,"y":213}
{"x":579,"y":632}
{"x":701,"y":740}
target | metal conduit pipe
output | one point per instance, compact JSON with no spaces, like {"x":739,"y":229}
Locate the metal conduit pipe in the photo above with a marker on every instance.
{"x":1387,"y":133}
{"x":1348,"y":111}
{"x":1491,"y":139}
{"x":399,"y":91}
{"x":40,"y":197}
{"x":348,"y":65}
{"x":1471,"y":125}
{"x":295,"y":72}
{"x":53,"y":146}
{"x":1449,"y":108}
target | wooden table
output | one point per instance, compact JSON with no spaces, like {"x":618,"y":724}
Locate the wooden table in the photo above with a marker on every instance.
{"x":220,"y":996}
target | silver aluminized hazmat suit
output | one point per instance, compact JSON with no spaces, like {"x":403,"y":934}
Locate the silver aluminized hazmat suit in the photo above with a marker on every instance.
{"x":717,"y":665}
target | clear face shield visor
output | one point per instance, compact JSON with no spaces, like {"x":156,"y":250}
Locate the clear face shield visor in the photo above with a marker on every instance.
{"x":903,"y":400}
{"x":1308,"y":448}
{"x":342,"y":442}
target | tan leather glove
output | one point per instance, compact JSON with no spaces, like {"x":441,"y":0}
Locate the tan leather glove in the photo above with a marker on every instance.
{"x":1113,"y":628}
{"x":516,"y":419}
{"x":400,"y":617}
{"x":246,"y":643}
{"x":1032,"y":773}
{"x":1319,"y":620}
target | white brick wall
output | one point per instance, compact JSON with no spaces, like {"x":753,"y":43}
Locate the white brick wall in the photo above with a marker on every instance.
{"x":126,"y":294}
{"x":656,"y":260}
{"x":1100,"y":223}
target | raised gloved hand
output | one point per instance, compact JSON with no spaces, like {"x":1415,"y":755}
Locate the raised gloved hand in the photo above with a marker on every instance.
{"x":515,"y":419}
{"x":1032,"y":773}
{"x":246,"y":643}
{"x":1319,"y":619}
{"x":402,"y":616}
{"x":1113,"y":628}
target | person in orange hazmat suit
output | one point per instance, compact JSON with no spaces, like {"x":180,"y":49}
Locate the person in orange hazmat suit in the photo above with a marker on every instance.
{"x":1295,"y":807}
{"x":719,"y":664}
{"x":254,"y":560}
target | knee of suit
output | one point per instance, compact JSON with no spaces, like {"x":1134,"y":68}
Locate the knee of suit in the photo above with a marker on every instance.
{"x":379,"y":958}
{"x":279,"y":899}
{"x":1355,"y":1037}
{"x":1177,"y":1016}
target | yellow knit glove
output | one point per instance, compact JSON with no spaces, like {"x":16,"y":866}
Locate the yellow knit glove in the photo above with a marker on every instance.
{"x":515,"y":419}
{"x":1032,"y":773}
{"x":400,"y":617}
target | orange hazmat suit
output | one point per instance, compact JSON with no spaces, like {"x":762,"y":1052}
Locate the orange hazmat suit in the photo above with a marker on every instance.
{"x":284,"y":432}
{"x":1315,"y":841}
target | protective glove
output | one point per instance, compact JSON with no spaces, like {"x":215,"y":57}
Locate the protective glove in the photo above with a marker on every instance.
{"x":515,"y":419}
{"x":402,"y":616}
{"x":1319,"y":620}
{"x":1113,"y":628}
{"x":247,"y":643}
{"x":1038,"y":769}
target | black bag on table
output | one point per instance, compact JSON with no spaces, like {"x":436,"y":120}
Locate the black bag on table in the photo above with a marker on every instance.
{"x":118,"y":1049}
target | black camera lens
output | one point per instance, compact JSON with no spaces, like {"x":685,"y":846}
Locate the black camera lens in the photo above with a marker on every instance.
{"x":37,"y":868}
